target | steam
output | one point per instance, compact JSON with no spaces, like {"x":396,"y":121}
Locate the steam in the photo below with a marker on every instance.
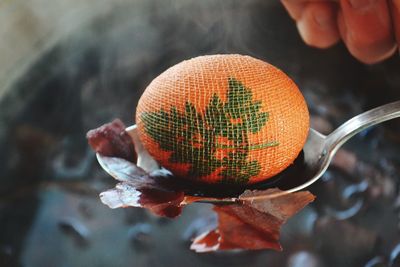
{"x":135,"y":41}
{"x":110,"y":51}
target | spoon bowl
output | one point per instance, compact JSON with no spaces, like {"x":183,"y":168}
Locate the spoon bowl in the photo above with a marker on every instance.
{"x":318,"y":150}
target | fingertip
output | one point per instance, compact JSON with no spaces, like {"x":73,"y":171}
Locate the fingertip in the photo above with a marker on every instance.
{"x":317,"y":24}
{"x":294,"y":8}
{"x":395,"y":8}
{"x":365,"y":27}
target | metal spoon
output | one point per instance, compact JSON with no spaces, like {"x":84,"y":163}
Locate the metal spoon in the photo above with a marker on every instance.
{"x":318,"y":150}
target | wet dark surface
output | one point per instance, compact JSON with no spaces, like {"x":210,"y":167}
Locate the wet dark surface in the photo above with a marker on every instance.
{"x":50,"y":213}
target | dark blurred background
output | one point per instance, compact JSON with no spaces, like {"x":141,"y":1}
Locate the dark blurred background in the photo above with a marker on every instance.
{"x":69,"y":66}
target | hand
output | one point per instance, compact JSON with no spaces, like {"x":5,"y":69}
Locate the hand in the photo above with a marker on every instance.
{"x":369,"y":28}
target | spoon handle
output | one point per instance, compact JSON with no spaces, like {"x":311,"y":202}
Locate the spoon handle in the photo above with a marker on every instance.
{"x":360,"y":122}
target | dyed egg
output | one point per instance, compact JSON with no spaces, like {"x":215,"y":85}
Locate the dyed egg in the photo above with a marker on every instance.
{"x":223,"y":119}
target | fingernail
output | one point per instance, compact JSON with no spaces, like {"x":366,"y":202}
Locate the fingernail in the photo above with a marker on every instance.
{"x":303,"y":30}
{"x":357,"y":4}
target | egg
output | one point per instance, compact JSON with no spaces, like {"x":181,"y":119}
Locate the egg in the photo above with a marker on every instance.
{"x":223,"y":119}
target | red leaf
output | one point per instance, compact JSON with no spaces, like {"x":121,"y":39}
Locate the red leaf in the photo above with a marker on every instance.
{"x":112,"y":140}
{"x":206,"y":242}
{"x":139,"y":189}
{"x":254,"y":224}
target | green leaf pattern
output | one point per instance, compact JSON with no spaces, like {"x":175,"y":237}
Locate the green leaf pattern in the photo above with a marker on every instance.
{"x":192,"y":137}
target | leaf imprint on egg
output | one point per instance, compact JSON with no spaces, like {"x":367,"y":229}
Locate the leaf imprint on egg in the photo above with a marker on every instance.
{"x":217,"y":139}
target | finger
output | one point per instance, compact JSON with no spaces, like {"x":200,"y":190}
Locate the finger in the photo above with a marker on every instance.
{"x":365,"y":27}
{"x":317,"y":24}
{"x":395,"y":8}
{"x":294,"y":7}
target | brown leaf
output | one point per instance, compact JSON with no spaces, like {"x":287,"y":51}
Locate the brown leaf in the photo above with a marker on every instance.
{"x":254,"y":224}
{"x":139,"y":189}
{"x":112,"y":140}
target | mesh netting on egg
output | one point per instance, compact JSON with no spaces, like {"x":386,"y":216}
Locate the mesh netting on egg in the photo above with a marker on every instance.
{"x":223,"y":118}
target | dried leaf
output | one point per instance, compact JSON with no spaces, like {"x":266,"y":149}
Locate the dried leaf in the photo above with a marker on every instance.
{"x":252,"y":222}
{"x":139,"y":189}
{"x":258,"y":220}
{"x":112,"y":140}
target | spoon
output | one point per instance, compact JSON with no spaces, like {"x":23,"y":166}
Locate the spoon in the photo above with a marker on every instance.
{"x":318,"y":149}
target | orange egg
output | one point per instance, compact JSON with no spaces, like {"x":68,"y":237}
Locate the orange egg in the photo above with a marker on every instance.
{"x":223,"y":119}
